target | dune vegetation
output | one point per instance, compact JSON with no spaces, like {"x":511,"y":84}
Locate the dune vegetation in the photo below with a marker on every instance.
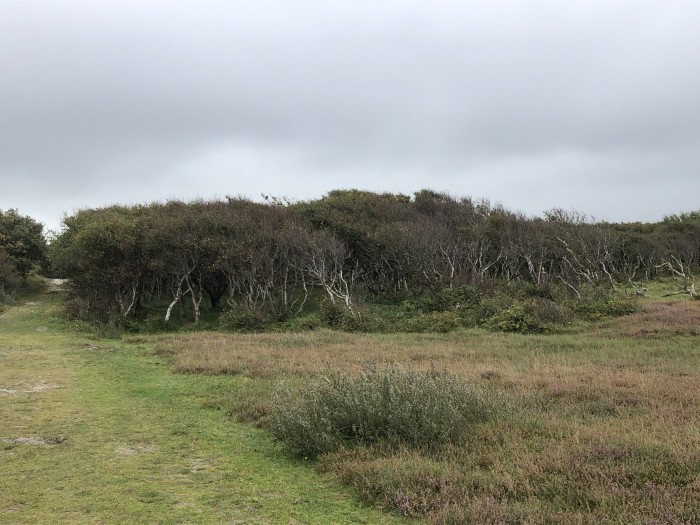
{"x":361,"y":358}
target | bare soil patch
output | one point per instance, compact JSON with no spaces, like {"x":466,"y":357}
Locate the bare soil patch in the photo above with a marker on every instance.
{"x":41,"y":386}
{"x":37,"y":441}
{"x":139,"y":448}
{"x":55,"y":285}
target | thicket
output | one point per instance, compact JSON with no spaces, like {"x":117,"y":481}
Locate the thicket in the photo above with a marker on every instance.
{"x":358,"y":260}
{"x":22,"y":249}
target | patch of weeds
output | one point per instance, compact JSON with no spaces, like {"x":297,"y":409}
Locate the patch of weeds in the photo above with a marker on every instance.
{"x":403,"y":481}
{"x":394,"y":406}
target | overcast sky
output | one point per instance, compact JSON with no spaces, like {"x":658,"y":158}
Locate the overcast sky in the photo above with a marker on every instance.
{"x":591,"y":105}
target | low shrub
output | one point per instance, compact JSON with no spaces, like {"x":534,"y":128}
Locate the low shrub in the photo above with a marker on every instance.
{"x":331,"y":313}
{"x":595,"y":308}
{"x":494,"y":305}
{"x":303,"y":324}
{"x":394,"y":406}
{"x":154,"y":323}
{"x":448,"y":299}
{"x":243,"y":318}
{"x":550,"y":312}
{"x":536,"y":315}
{"x":78,"y":309}
{"x":359,"y":319}
{"x":517,"y":318}
{"x":435,"y":322}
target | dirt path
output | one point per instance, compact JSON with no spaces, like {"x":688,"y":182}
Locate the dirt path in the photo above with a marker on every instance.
{"x":99,"y":431}
{"x":55,"y":285}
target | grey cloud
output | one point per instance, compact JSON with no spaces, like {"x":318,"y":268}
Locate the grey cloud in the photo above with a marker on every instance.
{"x":518,"y":102}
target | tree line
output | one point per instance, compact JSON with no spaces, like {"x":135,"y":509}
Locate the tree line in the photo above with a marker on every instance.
{"x":352,"y":247}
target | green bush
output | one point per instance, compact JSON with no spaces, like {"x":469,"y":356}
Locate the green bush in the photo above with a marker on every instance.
{"x":493,"y":305}
{"x":339,"y":317}
{"x":119,"y":324}
{"x":364,"y":319}
{"x":331,"y":313}
{"x":550,"y":313}
{"x":517,"y":318}
{"x":394,"y":406}
{"x":536,"y":315}
{"x":154,"y":322}
{"x":447,"y":299}
{"x":78,"y":309}
{"x":435,"y":322}
{"x":243,"y":318}
{"x":597,"y":307}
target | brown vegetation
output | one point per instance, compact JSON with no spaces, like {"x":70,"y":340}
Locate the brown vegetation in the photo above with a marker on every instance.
{"x":593,"y":427}
{"x":662,"y":319}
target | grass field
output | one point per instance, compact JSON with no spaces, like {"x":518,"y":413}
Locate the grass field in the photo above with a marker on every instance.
{"x":597,"y":425}
{"x":99,"y":431}
{"x":600,"y":424}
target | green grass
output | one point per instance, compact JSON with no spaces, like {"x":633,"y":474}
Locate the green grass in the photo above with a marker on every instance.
{"x":596,"y":424}
{"x":135,"y":443}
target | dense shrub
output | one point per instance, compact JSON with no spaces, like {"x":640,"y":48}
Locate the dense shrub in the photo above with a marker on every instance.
{"x":359,"y":319}
{"x":154,"y":323}
{"x":10,"y":280}
{"x":448,"y":299}
{"x":517,"y":318}
{"x":394,"y":406}
{"x":77,"y":309}
{"x":242,"y":318}
{"x":331,"y":313}
{"x":595,"y":307}
{"x":22,"y":248}
{"x":532,"y":316}
{"x":435,"y":322}
{"x":494,"y":304}
{"x":551,"y":313}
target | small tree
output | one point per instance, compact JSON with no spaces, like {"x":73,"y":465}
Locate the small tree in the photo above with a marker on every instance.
{"x":22,"y":248}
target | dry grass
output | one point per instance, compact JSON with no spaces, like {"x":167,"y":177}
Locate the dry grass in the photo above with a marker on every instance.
{"x":663,"y":319}
{"x":598,"y":426}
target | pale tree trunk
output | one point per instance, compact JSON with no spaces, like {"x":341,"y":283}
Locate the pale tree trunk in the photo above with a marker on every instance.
{"x":177,"y":298}
{"x":197,"y":292}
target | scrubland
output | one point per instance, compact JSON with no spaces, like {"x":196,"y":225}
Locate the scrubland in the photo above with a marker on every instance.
{"x":597,"y":424}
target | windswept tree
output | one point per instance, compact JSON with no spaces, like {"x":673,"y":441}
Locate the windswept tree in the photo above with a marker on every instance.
{"x":260,"y":257}
{"x":328,"y":264}
{"x":101,"y":252}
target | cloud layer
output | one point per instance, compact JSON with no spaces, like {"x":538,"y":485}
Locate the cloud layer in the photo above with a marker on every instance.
{"x":590,"y":105}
